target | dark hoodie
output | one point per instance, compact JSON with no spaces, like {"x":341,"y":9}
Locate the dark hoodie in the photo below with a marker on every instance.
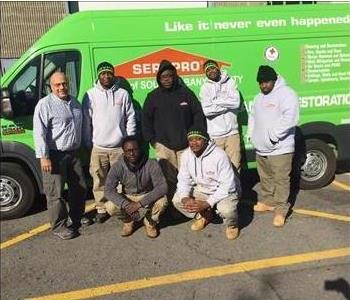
{"x":169,"y":113}
{"x":145,"y":177}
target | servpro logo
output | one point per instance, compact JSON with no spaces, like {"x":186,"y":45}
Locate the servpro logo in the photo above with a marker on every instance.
{"x":148,"y":65}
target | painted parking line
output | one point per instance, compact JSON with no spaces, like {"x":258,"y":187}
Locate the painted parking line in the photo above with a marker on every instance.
{"x":35,"y":231}
{"x":320,"y":214}
{"x":341,"y":185}
{"x":198,"y":274}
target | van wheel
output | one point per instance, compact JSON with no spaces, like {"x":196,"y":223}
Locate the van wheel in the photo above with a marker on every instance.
{"x":17,"y":191}
{"x":319,"y":167}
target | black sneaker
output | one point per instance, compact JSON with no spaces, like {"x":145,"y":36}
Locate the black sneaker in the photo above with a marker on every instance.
{"x":66,"y":233}
{"x":101,"y":218}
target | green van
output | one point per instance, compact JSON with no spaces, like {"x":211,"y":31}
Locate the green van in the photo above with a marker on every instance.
{"x":308,"y":45}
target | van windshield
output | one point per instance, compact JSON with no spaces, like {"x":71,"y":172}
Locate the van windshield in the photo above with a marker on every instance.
{"x":25,"y":88}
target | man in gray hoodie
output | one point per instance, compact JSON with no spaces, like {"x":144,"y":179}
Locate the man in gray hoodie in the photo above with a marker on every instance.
{"x":143,"y":189}
{"x":108,"y":117}
{"x":271,"y":128}
{"x":220,"y":101}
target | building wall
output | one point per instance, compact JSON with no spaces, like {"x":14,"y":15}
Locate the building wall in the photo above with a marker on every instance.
{"x":22,"y":23}
{"x":119,"y":5}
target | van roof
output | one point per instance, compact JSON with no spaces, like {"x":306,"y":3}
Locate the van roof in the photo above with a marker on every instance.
{"x":178,"y":26}
{"x":147,"y":26}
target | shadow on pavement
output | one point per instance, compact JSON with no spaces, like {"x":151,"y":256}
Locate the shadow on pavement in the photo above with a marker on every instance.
{"x":339,"y":285}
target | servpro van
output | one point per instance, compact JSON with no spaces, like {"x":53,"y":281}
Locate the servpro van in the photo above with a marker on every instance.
{"x":307,"y":44}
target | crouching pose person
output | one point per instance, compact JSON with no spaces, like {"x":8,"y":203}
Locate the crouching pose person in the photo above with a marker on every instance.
{"x":143,"y":189}
{"x":206,"y":181}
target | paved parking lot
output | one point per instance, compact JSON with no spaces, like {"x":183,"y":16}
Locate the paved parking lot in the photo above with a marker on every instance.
{"x":308,"y":259}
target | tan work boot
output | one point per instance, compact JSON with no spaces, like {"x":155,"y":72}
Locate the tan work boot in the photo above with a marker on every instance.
{"x":232,"y":232}
{"x":151,"y":231}
{"x":199,"y":224}
{"x":263,"y":207}
{"x":279,"y":220}
{"x":128,"y":229}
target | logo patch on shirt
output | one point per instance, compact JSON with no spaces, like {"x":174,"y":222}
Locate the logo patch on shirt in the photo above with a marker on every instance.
{"x":270,"y":105}
{"x":210,"y":173}
{"x":183,"y":103}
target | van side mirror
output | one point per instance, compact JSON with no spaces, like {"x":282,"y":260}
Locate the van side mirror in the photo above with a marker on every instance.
{"x":5,"y":107}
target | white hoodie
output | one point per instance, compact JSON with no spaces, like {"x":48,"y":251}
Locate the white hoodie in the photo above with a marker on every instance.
{"x":220,"y":102}
{"x":212,"y":173}
{"x":108,"y":116}
{"x":273,"y":118}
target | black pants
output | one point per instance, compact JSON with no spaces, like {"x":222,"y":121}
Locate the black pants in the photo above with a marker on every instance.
{"x":66,"y":168}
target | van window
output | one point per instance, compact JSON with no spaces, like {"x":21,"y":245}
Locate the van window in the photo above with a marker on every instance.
{"x":24,"y":89}
{"x":68,"y":62}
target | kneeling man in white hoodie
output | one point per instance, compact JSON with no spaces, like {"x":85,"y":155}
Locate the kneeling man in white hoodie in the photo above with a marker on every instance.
{"x":271,"y":128}
{"x":206,"y":181}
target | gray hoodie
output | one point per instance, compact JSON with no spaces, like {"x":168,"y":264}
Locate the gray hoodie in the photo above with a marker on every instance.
{"x":108,"y":116}
{"x":220,"y":102}
{"x":272,"y":121}
{"x":147,"y":179}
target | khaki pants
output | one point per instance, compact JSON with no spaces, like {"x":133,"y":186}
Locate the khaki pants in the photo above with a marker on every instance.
{"x":232,"y":146}
{"x":169,"y":161}
{"x":226,"y":208}
{"x":100,"y":163}
{"x":274,"y":172}
{"x":153,"y":211}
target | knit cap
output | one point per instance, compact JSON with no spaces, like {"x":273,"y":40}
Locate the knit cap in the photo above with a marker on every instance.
{"x":194,"y":132}
{"x":210,"y":63}
{"x":266,"y":73}
{"x":105,"y":67}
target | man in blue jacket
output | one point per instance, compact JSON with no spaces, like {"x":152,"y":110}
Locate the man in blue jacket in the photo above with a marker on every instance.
{"x":271,"y":128}
{"x":57,"y":125}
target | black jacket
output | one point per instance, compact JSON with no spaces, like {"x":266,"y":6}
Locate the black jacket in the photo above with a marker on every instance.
{"x":169,"y":113}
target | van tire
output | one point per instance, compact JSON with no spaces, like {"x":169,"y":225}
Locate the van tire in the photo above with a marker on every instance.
{"x":17,"y":191}
{"x":319,"y":167}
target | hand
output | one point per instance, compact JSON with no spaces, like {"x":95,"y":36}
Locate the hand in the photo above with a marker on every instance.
{"x":132,"y":207}
{"x":186,"y":200}
{"x":46,"y":165}
{"x":196,"y":206}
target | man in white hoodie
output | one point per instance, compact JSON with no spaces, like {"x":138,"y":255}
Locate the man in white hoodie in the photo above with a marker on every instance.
{"x":206,"y":181}
{"x":108,"y":117}
{"x":220,"y":101}
{"x":271,"y":128}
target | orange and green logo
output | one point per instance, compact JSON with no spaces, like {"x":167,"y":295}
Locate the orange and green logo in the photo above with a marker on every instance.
{"x":148,"y":65}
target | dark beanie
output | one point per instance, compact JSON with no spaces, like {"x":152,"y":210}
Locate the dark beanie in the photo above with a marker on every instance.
{"x":197,"y":132}
{"x":266,"y":73}
{"x":105,"y":67}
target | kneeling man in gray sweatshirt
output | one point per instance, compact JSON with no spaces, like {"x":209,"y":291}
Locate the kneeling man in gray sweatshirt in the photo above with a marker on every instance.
{"x":143,"y":194}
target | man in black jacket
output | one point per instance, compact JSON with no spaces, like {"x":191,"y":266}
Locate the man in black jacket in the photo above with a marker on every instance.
{"x":143,"y":189}
{"x":168,"y":113}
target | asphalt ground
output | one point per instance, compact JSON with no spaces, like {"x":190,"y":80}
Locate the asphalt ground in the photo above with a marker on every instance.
{"x":309,"y":258}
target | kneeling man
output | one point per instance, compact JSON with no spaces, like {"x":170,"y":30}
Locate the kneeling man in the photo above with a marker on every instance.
{"x":143,"y":189}
{"x":206,"y":181}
